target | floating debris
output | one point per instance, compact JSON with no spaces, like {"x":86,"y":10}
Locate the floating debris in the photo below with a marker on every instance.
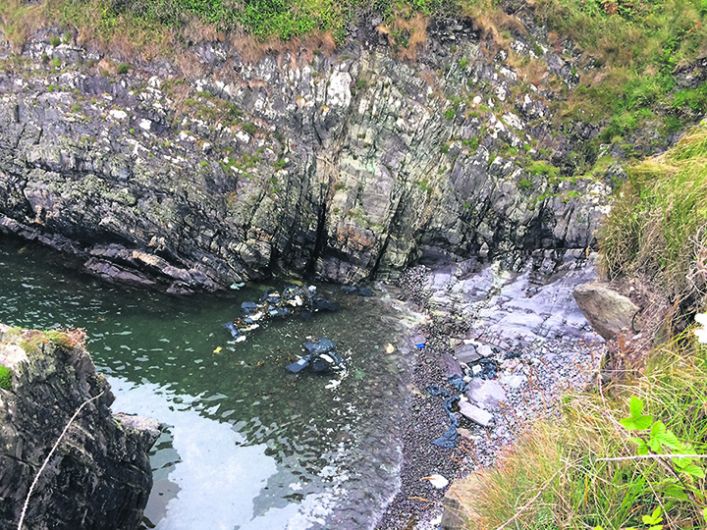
{"x":272,"y":304}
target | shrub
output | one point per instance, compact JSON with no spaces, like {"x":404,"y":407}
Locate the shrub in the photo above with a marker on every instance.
{"x":525,"y":184}
{"x":542,"y":168}
{"x":123,"y":68}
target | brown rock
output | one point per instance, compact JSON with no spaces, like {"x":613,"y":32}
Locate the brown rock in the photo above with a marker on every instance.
{"x":610,"y":313}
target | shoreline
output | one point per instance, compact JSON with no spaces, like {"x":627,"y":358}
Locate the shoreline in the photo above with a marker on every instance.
{"x":532,"y":378}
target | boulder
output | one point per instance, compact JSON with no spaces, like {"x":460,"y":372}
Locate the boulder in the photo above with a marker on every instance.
{"x":467,"y":353}
{"x":100,"y":476}
{"x":610,"y":313}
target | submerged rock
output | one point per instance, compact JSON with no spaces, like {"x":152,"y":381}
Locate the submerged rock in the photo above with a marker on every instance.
{"x":321,"y":357}
{"x":100,"y":475}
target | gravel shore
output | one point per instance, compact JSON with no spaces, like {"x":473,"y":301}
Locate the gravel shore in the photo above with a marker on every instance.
{"x":529,"y":345}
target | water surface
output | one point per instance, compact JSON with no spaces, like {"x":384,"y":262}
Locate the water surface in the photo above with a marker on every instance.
{"x":248,"y":445}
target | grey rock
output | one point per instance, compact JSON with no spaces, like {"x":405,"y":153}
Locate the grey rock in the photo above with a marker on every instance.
{"x":609,"y":312}
{"x":100,"y":476}
{"x":487,"y":393}
{"x":451,"y":365}
{"x":467,"y":353}
{"x":475,"y":414}
{"x":304,"y":163}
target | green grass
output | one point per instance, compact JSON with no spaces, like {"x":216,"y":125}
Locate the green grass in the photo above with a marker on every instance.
{"x":5,"y":377}
{"x":637,"y":47}
{"x":658,"y":225}
{"x":631,"y":49}
{"x":561,"y":459}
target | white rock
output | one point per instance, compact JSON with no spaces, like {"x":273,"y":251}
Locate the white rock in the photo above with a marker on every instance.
{"x":145,"y":124}
{"x":484,"y":350}
{"x":475,"y":414}
{"x":118,"y":114}
{"x":437,"y":481}
{"x":513,"y":381}
{"x":486,"y":393}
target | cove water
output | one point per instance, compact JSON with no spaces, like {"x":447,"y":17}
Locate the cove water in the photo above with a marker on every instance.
{"x":247,"y":445}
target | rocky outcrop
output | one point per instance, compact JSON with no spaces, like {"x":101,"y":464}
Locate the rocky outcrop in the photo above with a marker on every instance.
{"x":100,"y":476}
{"x":344,"y":165}
{"x":609,"y":312}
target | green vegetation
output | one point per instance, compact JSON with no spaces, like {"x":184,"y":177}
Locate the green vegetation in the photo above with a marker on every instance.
{"x":5,"y":377}
{"x":525,"y":184}
{"x":123,"y":69}
{"x":564,"y":460}
{"x":638,"y":46}
{"x":658,"y":225}
{"x":541,"y":168}
{"x":602,"y":464}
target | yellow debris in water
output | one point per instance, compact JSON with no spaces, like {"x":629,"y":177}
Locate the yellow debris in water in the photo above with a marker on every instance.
{"x":389,"y":348}
{"x":218,"y":349}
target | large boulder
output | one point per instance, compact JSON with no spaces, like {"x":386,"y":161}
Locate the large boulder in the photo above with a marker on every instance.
{"x":100,"y":475}
{"x":610,"y":313}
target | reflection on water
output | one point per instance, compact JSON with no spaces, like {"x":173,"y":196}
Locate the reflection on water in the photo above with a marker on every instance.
{"x":248,"y":445}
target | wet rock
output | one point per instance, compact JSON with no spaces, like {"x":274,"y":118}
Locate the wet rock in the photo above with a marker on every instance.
{"x":320,"y":356}
{"x":609,"y":312}
{"x":100,"y":476}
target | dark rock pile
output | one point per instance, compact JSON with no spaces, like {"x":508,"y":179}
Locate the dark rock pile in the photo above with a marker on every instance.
{"x":273,"y":305}
{"x":320,"y":357}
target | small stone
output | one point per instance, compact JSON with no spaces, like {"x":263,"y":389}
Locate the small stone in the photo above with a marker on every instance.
{"x":437,"y":481}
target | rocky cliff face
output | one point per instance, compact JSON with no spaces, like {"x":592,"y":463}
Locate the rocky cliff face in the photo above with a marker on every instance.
{"x":344,"y":165}
{"x":100,"y":476}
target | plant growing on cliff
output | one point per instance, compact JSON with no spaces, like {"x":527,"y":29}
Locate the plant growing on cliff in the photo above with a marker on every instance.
{"x":658,"y":224}
{"x":5,"y":377}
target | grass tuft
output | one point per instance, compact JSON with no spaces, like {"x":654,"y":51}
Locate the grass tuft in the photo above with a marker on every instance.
{"x":658,"y":225}
{"x":560,"y":460}
{"x":5,"y":377}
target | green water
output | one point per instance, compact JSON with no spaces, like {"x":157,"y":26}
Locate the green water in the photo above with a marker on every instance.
{"x":248,"y":445}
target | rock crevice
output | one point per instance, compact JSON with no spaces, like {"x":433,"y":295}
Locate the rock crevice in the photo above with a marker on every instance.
{"x":348,"y":165}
